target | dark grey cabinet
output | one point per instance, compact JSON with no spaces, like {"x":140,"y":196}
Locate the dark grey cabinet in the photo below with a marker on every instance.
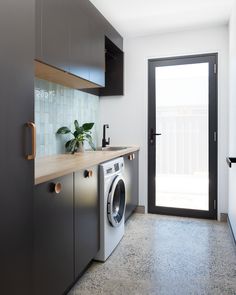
{"x":87,"y":47}
{"x":38,"y":29}
{"x":17,"y":173}
{"x":86,"y":218}
{"x":97,"y":46}
{"x":131,"y":182}
{"x":54,"y":32}
{"x":111,"y":33}
{"x":114,"y":76}
{"x":79,"y":39}
{"x":53,"y":236}
{"x":70,"y":37}
{"x":114,"y":62}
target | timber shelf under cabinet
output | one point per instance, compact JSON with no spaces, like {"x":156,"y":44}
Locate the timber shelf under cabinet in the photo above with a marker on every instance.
{"x":52,"y":74}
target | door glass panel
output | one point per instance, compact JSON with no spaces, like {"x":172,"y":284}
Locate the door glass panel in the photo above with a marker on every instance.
{"x":182,"y":179}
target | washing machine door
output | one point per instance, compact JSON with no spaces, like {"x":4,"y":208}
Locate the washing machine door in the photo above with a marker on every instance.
{"x":116,"y":202}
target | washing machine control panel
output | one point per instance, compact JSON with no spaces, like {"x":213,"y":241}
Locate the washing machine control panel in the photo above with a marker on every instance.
{"x":109,"y":171}
{"x":114,"y":168}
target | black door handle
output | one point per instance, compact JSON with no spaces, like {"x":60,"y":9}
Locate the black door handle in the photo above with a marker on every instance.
{"x":153,"y":134}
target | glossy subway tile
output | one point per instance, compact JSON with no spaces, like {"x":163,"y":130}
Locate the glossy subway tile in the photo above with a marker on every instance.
{"x":56,"y":106}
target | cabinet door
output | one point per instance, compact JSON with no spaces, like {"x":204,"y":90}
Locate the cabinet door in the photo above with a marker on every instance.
{"x":97,"y":46}
{"x":86,"y":218}
{"x":17,"y":174}
{"x":55,"y":33}
{"x":80,"y":40}
{"x":131,"y":183}
{"x":87,"y":42}
{"x":53,"y":236}
{"x":70,"y":35}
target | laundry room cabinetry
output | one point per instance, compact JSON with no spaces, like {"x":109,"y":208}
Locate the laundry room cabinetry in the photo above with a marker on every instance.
{"x":114,"y":76}
{"x":86,"y":42}
{"x":16,"y":149}
{"x":75,"y":37}
{"x":53,"y":236}
{"x":52,"y":33}
{"x":70,"y":36}
{"x":111,"y":33}
{"x":86,"y":217}
{"x":131,"y":176}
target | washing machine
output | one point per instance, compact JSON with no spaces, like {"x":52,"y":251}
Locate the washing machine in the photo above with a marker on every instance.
{"x":112,"y":206}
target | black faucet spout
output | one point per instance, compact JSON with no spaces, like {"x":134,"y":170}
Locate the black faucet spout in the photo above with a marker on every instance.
{"x":104,"y":141}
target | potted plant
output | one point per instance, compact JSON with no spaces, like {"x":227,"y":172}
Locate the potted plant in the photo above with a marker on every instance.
{"x":81,"y":134}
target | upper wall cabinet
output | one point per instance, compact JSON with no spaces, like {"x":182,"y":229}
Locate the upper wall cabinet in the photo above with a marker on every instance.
{"x":55,"y":33}
{"x":114,"y":73}
{"x":114,"y":76}
{"x":70,"y":36}
{"x":112,"y":34}
{"x":79,"y":39}
{"x":97,"y":46}
{"x":86,"y":42}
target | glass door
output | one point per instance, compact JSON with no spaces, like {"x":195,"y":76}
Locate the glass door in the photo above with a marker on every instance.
{"x":182,"y":136}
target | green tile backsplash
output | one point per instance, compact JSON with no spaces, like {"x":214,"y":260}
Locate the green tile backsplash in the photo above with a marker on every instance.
{"x":56,"y":106}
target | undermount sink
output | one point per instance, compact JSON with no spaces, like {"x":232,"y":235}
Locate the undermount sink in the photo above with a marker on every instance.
{"x":112,"y":148}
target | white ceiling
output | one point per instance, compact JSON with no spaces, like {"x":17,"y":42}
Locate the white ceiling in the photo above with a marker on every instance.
{"x":139,"y":17}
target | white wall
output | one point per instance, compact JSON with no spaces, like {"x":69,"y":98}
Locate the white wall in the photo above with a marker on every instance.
{"x":127,"y":115}
{"x":232,"y":118}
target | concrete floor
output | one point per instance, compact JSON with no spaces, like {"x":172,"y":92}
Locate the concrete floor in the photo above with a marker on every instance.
{"x":166,"y":255}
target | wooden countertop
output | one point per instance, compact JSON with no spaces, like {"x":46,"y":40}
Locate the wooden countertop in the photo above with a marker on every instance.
{"x":50,"y":167}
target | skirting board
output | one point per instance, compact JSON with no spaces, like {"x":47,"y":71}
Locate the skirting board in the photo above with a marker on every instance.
{"x":231,"y":230}
{"x":140,"y":209}
{"x":223,"y":217}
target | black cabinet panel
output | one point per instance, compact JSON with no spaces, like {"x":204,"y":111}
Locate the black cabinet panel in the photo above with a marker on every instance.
{"x":97,"y":46}
{"x":17,"y":174}
{"x":86,"y":218}
{"x":38,"y":29}
{"x":114,"y":77}
{"x":53,"y":237}
{"x":87,"y":48}
{"x":80,"y":38}
{"x":112,"y":34}
{"x":55,"y":33}
{"x":114,"y":72}
{"x":70,"y":36}
{"x":131,"y":182}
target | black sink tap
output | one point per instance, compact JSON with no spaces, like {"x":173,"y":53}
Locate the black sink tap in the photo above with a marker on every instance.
{"x":104,"y":141}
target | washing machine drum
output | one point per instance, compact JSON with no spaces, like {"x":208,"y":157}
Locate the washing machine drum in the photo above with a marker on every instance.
{"x":116,"y":202}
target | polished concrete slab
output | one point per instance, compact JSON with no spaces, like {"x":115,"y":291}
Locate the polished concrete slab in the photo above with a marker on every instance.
{"x":166,"y":255}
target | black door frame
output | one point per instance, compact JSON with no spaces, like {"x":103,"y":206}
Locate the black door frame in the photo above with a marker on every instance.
{"x":212,"y":59}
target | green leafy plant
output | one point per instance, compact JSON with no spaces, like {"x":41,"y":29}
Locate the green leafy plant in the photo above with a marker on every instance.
{"x":81,"y":134}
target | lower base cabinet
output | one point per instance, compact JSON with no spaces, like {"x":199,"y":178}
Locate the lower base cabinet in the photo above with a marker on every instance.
{"x":131,"y":176}
{"x":67,"y":228}
{"x":86,"y":218}
{"x":53,"y":236}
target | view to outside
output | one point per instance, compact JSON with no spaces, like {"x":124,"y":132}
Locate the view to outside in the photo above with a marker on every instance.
{"x":182,"y":93}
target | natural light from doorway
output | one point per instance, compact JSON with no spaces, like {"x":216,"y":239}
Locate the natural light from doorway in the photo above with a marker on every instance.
{"x":182,"y":177}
